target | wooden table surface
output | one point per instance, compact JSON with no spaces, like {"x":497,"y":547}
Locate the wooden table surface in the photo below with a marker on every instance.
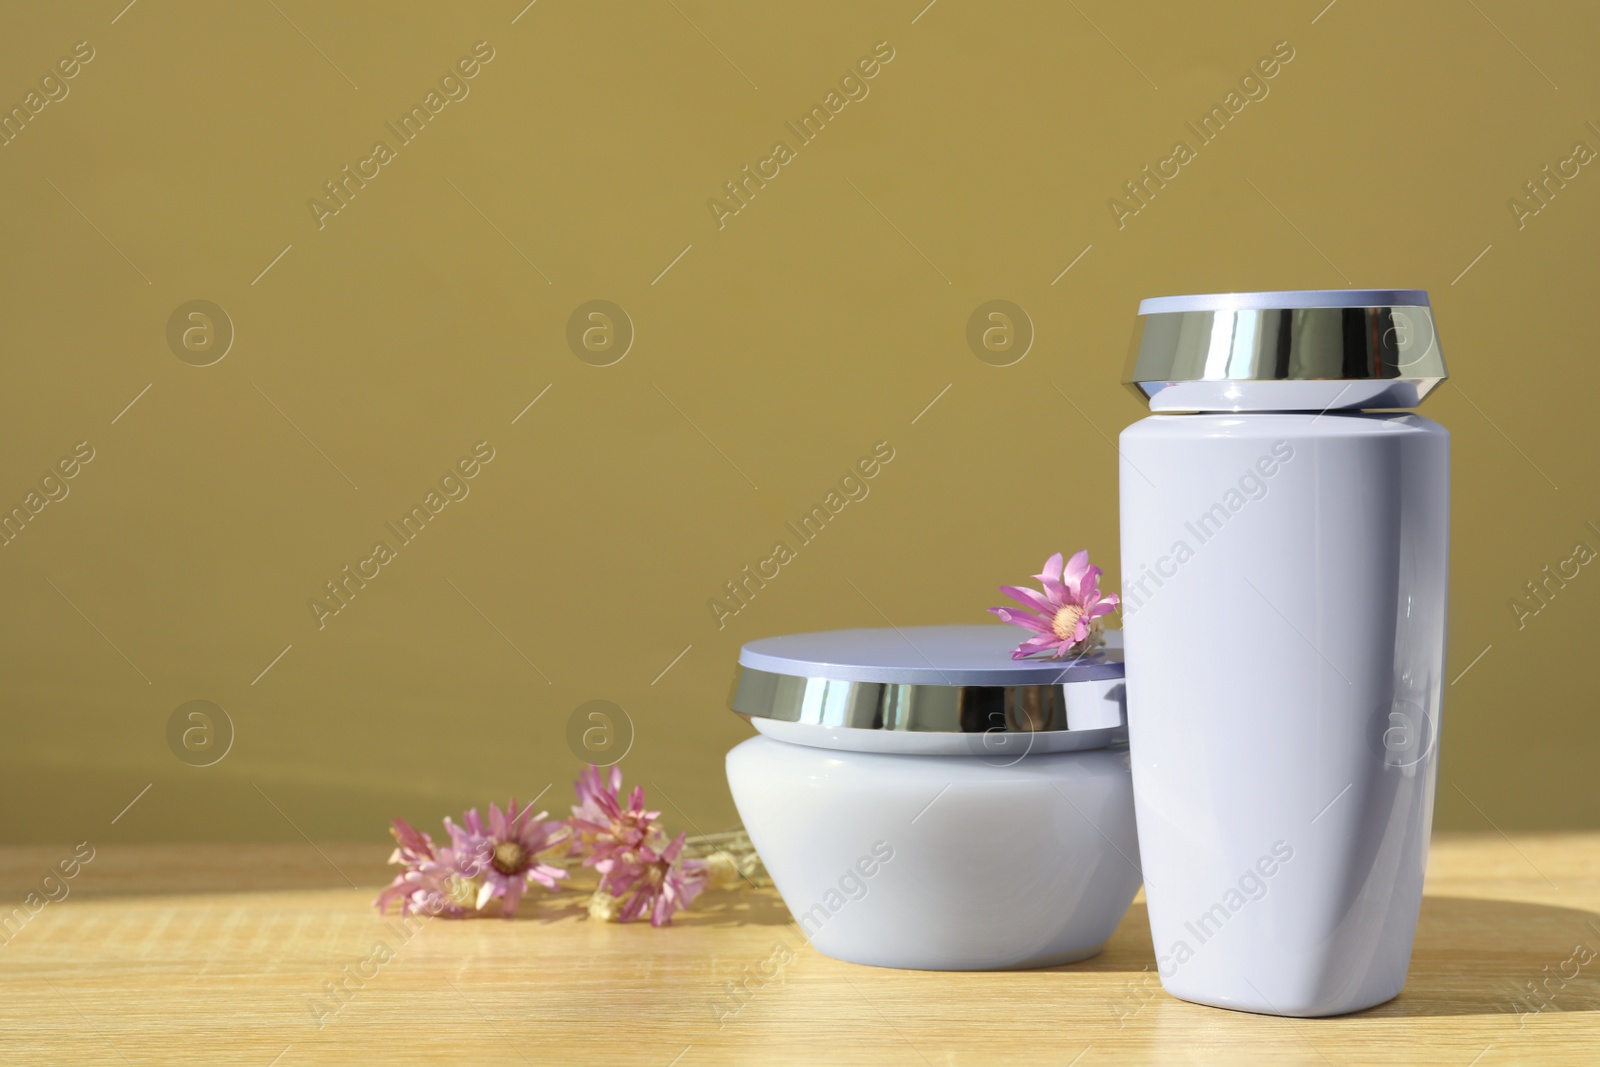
{"x":224,"y":954}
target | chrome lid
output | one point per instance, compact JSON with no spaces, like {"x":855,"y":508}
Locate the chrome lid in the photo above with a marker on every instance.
{"x":1297,"y":350}
{"x":930,"y":690}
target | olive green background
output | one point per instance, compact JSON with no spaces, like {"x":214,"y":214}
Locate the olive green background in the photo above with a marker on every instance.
{"x":769,"y":355}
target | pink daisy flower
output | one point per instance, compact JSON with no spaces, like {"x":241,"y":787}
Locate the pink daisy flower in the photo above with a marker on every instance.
{"x":432,"y":883}
{"x":638,"y":867}
{"x":1063,"y":616}
{"x":602,"y":828}
{"x":505,"y":853}
{"x":641,"y":872}
{"x":653,"y":883}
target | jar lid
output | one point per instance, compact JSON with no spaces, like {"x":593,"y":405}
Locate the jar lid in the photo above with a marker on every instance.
{"x":1297,"y":350}
{"x":930,"y":690}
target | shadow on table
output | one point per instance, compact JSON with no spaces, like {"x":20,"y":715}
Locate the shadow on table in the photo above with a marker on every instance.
{"x":1471,"y":957}
{"x":1499,"y":957}
{"x":736,"y":907}
{"x":723,"y":907}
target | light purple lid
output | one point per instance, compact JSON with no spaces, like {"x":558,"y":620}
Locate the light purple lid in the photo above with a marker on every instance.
{"x":1285,"y":299}
{"x":926,"y":655}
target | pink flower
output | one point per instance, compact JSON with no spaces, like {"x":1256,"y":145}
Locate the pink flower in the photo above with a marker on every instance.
{"x":591,"y":785}
{"x":641,"y":872}
{"x":653,"y":883}
{"x":1063,"y":616}
{"x":505,"y":854}
{"x":602,"y":828}
{"x":432,"y":883}
{"x":637,"y":865}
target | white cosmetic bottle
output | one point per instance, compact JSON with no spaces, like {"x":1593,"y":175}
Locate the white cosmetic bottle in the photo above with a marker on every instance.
{"x":1284,"y":558}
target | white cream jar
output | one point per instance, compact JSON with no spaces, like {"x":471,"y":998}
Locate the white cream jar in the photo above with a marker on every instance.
{"x":921,"y":800}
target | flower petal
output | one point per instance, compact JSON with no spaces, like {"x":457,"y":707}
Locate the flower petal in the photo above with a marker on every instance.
{"x":632,"y":907}
{"x":1073,"y":573}
{"x":1022,"y":618}
{"x":410,"y":839}
{"x":1028,"y":598}
{"x":1035,"y":644}
{"x":1050,"y":578}
{"x":1088,"y":586}
{"x":513,"y":896}
{"x":546,"y":875}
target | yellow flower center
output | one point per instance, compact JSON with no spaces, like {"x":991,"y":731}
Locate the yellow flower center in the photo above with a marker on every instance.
{"x":509,"y":857}
{"x":1065,"y":624}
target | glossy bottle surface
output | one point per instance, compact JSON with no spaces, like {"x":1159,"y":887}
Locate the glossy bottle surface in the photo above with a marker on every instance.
{"x":1284,"y":609}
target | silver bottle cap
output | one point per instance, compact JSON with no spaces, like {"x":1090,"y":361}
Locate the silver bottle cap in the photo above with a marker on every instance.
{"x":1300,"y":350}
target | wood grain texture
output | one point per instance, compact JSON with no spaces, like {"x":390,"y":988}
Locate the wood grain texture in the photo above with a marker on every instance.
{"x":220,"y":955}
